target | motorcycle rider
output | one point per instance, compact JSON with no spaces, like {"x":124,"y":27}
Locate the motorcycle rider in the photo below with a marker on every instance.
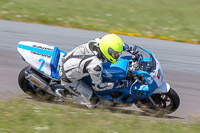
{"x":86,"y":60}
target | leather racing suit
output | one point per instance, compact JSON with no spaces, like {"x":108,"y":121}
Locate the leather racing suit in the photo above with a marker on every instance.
{"x":83,"y":61}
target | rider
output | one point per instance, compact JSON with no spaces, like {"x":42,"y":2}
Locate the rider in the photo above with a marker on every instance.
{"x":87,"y":59}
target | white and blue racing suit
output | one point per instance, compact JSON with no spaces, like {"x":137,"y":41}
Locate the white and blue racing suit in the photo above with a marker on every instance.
{"x":84,"y":60}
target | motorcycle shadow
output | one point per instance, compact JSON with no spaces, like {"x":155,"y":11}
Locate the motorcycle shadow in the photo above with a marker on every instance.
{"x":111,"y":109}
{"x":140,"y":113}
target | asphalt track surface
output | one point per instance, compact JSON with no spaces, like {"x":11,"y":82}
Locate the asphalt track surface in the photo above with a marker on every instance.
{"x":180,"y":61}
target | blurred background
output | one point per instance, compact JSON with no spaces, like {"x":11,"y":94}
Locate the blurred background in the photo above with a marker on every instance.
{"x":177,"y":19}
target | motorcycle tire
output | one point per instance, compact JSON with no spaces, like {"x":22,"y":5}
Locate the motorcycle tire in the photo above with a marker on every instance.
{"x":161,"y":100}
{"x":24,"y":84}
{"x":29,"y":88}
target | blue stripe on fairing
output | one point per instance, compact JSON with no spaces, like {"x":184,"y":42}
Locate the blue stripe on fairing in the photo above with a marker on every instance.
{"x":54,"y":62}
{"x":41,"y":51}
{"x":61,"y":54}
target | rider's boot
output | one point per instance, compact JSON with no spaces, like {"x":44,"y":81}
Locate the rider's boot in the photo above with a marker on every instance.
{"x":59,"y":93}
{"x":83,"y":99}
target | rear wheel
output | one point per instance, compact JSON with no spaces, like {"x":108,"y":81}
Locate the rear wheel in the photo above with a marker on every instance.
{"x":166,"y":103}
{"x":30,"y":88}
{"x":24,"y":84}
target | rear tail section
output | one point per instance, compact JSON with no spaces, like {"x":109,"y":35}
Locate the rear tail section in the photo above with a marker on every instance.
{"x":42,"y":57}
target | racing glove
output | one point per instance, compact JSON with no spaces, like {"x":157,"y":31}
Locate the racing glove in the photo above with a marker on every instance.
{"x":103,"y":86}
{"x":131,"y":49}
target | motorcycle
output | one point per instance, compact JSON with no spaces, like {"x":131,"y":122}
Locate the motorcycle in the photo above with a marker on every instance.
{"x":138,"y":80}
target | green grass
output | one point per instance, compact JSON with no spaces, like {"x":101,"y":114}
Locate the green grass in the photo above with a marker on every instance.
{"x":179,"y":19}
{"x":25,"y":116}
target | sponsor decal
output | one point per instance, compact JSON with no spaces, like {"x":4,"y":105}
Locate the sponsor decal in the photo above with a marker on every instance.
{"x":150,"y":80}
{"x":35,"y":83}
{"x":139,"y":93}
{"x":40,"y":47}
{"x":47,"y":56}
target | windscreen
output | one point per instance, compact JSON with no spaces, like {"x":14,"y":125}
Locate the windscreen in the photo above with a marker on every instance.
{"x":146,"y":61}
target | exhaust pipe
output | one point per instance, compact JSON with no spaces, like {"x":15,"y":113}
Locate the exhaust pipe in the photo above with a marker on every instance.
{"x":39,"y":82}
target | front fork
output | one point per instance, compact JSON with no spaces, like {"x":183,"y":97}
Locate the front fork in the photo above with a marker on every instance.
{"x":164,"y":88}
{"x":152,"y":101}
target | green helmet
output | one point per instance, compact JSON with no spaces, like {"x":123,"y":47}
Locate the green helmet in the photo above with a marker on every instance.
{"x":111,"y":46}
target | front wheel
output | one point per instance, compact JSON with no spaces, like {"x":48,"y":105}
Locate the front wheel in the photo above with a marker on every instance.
{"x":166,"y":103}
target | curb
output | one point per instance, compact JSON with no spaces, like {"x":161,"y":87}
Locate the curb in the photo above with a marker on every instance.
{"x":156,"y":37}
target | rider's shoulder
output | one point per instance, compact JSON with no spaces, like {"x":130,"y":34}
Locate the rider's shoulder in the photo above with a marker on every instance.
{"x":95,"y":41}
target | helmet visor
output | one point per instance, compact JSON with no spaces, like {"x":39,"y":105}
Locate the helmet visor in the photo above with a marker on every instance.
{"x":114,"y":54}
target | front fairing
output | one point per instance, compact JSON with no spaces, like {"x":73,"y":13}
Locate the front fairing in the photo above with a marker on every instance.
{"x":126,"y":95}
{"x":148,"y":67}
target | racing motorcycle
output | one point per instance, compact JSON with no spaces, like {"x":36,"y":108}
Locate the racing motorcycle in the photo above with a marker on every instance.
{"x":138,"y":80}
